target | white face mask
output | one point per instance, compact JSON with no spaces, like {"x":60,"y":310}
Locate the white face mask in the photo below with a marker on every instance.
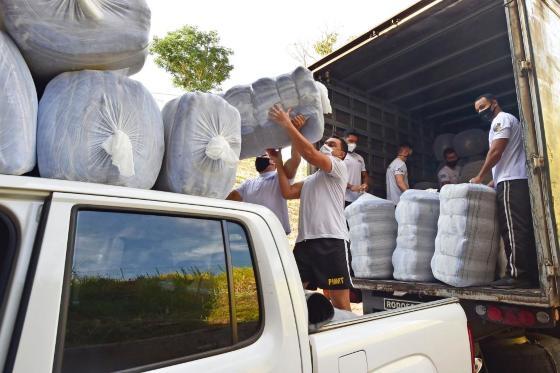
{"x":325,"y":149}
{"x":351,"y":148}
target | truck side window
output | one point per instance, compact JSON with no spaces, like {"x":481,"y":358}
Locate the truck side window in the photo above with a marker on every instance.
{"x":8,"y":237}
{"x":147,"y":289}
{"x":244,"y":282}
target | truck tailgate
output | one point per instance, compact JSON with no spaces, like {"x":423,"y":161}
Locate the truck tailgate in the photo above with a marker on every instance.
{"x":431,"y":337}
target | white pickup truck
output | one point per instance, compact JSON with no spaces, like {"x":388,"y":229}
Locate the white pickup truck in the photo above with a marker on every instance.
{"x":97,"y":278}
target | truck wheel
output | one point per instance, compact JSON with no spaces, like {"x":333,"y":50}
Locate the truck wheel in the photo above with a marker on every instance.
{"x":535,"y":353}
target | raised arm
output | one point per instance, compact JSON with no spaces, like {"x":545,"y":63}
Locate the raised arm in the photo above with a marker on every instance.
{"x":289,"y":191}
{"x":293,"y":163}
{"x":299,"y":142}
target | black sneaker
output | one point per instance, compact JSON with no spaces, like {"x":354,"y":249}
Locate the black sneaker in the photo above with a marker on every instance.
{"x":512,"y":283}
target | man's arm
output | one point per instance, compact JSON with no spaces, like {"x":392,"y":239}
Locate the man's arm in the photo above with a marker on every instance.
{"x":292,"y":164}
{"x":492,"y":158}
{"x":365,"y":181}
{"x":299,"y":142}
{"x":289,"y":191}
{"x":235,"y":196}
{"x":401,"y":183}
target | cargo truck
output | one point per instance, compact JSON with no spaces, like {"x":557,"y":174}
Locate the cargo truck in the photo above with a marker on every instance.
{"x":416,"y":76}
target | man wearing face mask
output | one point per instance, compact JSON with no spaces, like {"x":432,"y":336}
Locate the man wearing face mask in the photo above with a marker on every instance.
{"x":357,"y":173}
{"x":265,"y":190}
{"x":506,"y":159}
{"x":321,"y":251}
{"x":449,"y":174}
{"x":397,"y":174}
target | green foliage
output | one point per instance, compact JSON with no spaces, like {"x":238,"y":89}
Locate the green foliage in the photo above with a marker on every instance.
{"x":326,"y":44}
{"x":195,"y":59}
{"x":106,"y":310}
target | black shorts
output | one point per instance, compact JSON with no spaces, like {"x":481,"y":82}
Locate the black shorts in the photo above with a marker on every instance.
{"x":323,"y":263}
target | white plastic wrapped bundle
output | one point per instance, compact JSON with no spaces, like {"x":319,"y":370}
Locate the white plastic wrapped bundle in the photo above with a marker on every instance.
{"x":417,"y":217}
{"x":203,"y":140}
{"x":297,"y":90}
{"x":467,"y":242}
{"x":441,"y":143}
{"x":18,"y":111}
{"x":99,"y":127}
{"x":56,"y":36}
{"x":373,"y":232}
{"x":471,"y":142}
{"x":471,"y":169}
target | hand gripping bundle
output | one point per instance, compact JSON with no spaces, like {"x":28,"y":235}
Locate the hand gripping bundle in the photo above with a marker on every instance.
{"x":373,"y":231}
{"x":56,"y":36}
{"x":99,"y":127}
{"x":297,"y":90}
{"x":18,"y":111}
{"x":417,"y":216}
{"x":467,"y":241}
{"x":203,"y":141}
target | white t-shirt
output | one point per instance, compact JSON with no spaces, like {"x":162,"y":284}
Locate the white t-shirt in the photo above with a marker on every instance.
{"x":449,"y":175}
{"x":397,"y":167}
{"x":356,"y":165}
{"x":512,"y":164}
{"x":265,"y":191}
{"x":321,"y":211}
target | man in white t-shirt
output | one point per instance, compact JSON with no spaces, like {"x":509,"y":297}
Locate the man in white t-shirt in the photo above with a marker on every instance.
{"x":265,"y":190}
{"x":506,"y":159}
{"x":357,"y":173}
{"x":397,"y":174}
{"x":321,"y":250}
{"x":449,"y":174}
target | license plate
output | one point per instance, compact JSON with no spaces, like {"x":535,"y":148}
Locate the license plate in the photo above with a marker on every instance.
{"x":393,"y":304}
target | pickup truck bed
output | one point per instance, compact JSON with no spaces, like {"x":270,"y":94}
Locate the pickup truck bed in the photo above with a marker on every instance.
{"x":531,"y":297}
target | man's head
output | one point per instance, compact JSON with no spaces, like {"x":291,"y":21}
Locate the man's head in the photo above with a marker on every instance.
{"x":487,"y":106}
{"x":336,"y":146}
{"x":352,"y":139}
{"x":404,"y":151}
{"x":451,"y":157}
{"x":263,"y":163}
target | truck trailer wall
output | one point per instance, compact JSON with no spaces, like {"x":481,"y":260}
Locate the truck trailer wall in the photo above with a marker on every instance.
{"x":381,"y":128}
{"x":544,"y":33}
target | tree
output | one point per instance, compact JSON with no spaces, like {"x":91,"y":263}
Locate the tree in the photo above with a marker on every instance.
{"x":195,"y":59}
{"x":325,"y":45}
{"x":306,"y":53}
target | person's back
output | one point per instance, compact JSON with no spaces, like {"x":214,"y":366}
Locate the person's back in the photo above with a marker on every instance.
{"x":265,"y":190}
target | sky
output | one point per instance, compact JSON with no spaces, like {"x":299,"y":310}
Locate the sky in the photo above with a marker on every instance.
{"x":261,"y":33}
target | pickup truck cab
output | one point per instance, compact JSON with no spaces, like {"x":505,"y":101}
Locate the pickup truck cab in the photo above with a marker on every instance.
{"x":98,"y":278}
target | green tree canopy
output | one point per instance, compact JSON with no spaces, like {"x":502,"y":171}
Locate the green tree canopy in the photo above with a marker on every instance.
{"x":195,"y":59}
{"x":325,"y":45}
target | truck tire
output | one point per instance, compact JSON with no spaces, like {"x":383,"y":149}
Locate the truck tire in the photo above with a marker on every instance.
{"x":538,"y":353}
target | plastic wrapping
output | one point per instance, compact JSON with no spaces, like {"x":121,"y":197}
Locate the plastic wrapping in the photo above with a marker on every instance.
{"x":441,"y":143}
{"x":471,"y":142}
{"x":467,"y":242}
{"x":203,"y":141}
{"x":373,"y":234}
{"x":99,"y":127}
{"x":57,"y":36}
{"x":297,"y":90}
{"x":18,"y":111}
{"x":417,"y":217}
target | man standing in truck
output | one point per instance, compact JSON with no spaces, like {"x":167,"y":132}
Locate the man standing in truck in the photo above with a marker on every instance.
{"x":506,"y":159}
{"x":265,"y":190}
{"x":357,"y":173}
{"x":449,"y":174}
{"x":397,"y":174}
{"x":321,"y":250}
